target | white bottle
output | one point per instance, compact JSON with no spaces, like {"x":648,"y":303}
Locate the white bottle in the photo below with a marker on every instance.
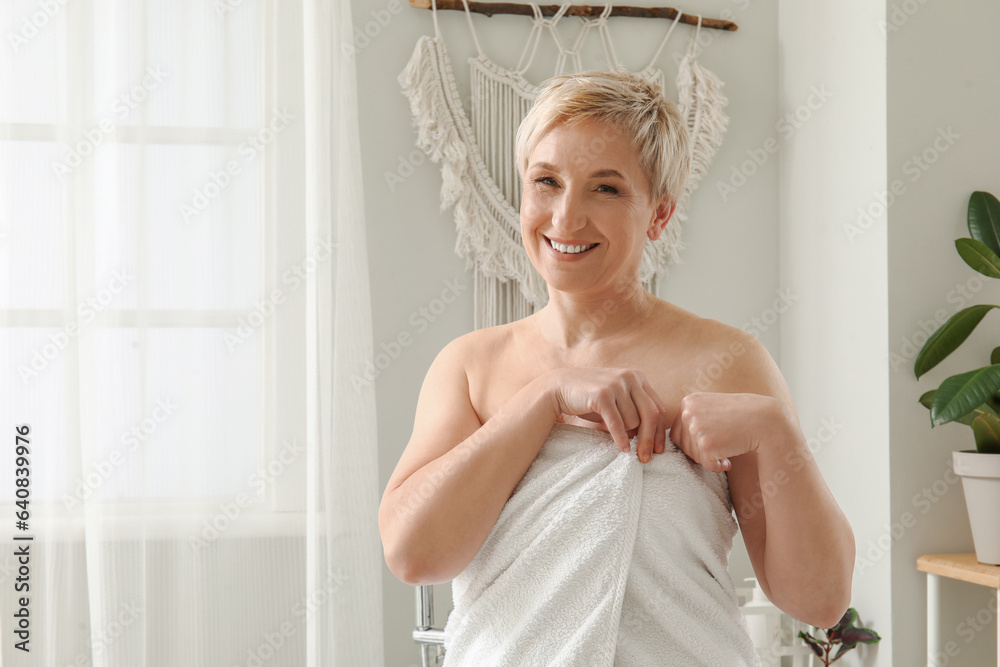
{"x":763,"y":620}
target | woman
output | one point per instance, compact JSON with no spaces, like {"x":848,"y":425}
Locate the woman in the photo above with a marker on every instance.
{"x":604,"y":158}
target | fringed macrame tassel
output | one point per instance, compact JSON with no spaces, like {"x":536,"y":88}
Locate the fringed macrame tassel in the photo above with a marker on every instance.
{"x":498,"y":301}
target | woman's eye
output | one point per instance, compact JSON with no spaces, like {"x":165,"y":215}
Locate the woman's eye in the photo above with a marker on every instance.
{"x":545,"y":180}
{"x":607,"y":188}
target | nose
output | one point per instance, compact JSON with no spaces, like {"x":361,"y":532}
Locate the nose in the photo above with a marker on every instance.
{"x":569,"y":213}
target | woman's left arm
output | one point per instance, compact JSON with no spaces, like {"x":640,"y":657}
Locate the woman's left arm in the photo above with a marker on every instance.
{"x":799,"y":541}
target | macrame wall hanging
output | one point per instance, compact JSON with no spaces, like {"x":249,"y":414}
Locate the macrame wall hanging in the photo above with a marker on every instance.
{"x":477,"y":154}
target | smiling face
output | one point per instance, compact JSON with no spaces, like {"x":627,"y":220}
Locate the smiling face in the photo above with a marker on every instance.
{"x":586,"y":209}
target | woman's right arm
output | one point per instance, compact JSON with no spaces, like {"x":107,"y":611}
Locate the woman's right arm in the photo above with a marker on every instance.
{"x":455,"y":475}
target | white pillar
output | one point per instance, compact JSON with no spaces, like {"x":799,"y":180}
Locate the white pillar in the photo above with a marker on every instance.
{"x":933,"y":617}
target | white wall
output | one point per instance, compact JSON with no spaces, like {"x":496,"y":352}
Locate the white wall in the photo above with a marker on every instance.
{"x":904,"y":76}
{"x":833,"y":347}
{"x":730,"y":267}
{"x":943,"y":72}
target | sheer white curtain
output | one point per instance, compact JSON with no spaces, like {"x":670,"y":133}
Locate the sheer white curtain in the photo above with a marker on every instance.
{"x":183,"y":301}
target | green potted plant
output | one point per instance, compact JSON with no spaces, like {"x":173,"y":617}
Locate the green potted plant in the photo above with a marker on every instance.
{"x":973,"y":397}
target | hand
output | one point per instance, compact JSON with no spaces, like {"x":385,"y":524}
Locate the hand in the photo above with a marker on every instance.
{"x":711,"y":428}
{"x":620,"y":400}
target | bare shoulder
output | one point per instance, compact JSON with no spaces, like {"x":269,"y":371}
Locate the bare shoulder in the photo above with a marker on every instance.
{"x":473,"y":350}
{"x":481,"y":344}
{"x":449,"y":407}
{"x":444,"y":415}
{"x":726,"y":359}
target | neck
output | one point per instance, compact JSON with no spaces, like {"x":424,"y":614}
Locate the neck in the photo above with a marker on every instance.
{"x":576,"y":323}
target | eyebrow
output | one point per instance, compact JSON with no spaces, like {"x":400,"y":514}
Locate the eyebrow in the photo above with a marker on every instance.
{"x":603,"y":173}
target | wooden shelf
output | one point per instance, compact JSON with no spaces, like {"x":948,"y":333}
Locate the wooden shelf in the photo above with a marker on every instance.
{"x":963,"y":567}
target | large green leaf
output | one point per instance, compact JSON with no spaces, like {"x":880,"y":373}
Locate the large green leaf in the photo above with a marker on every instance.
{"x":995,"y":355}
{"x":984,"y":219}
{"x":979,"y":256}
{"x":927,"y":398}
{"x":986,"y":428}
{"x":951,"y":334}
{"x":960,"y":394}
{"x":990,"y":407}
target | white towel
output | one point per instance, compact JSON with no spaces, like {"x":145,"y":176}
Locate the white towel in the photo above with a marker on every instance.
{"x":599,"y":560}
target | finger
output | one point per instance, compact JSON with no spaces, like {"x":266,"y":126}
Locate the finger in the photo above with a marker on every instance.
{"x":627,"y":407}
{"x":717,"y":465}
{"x":660,"y":431}
{"x":686,"y":442}
{"x":677,"y":432}
{"x":593,"y":417}
{"x":616,"y":427}
{"x":649,"y":421}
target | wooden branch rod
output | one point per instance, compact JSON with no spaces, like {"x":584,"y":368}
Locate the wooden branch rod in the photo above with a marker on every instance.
{"x":491,"y":8}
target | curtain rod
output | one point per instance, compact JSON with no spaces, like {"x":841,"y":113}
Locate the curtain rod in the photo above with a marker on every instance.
{"x":491,"y":8}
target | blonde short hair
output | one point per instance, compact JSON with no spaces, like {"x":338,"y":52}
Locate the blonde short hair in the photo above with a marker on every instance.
{"x":626,"y":102}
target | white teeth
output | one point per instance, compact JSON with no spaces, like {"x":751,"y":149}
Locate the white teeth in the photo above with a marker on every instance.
{"x":570,"y":249}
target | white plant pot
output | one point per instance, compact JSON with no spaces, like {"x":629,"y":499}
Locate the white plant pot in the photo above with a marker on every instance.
{"x":980,"y":475}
